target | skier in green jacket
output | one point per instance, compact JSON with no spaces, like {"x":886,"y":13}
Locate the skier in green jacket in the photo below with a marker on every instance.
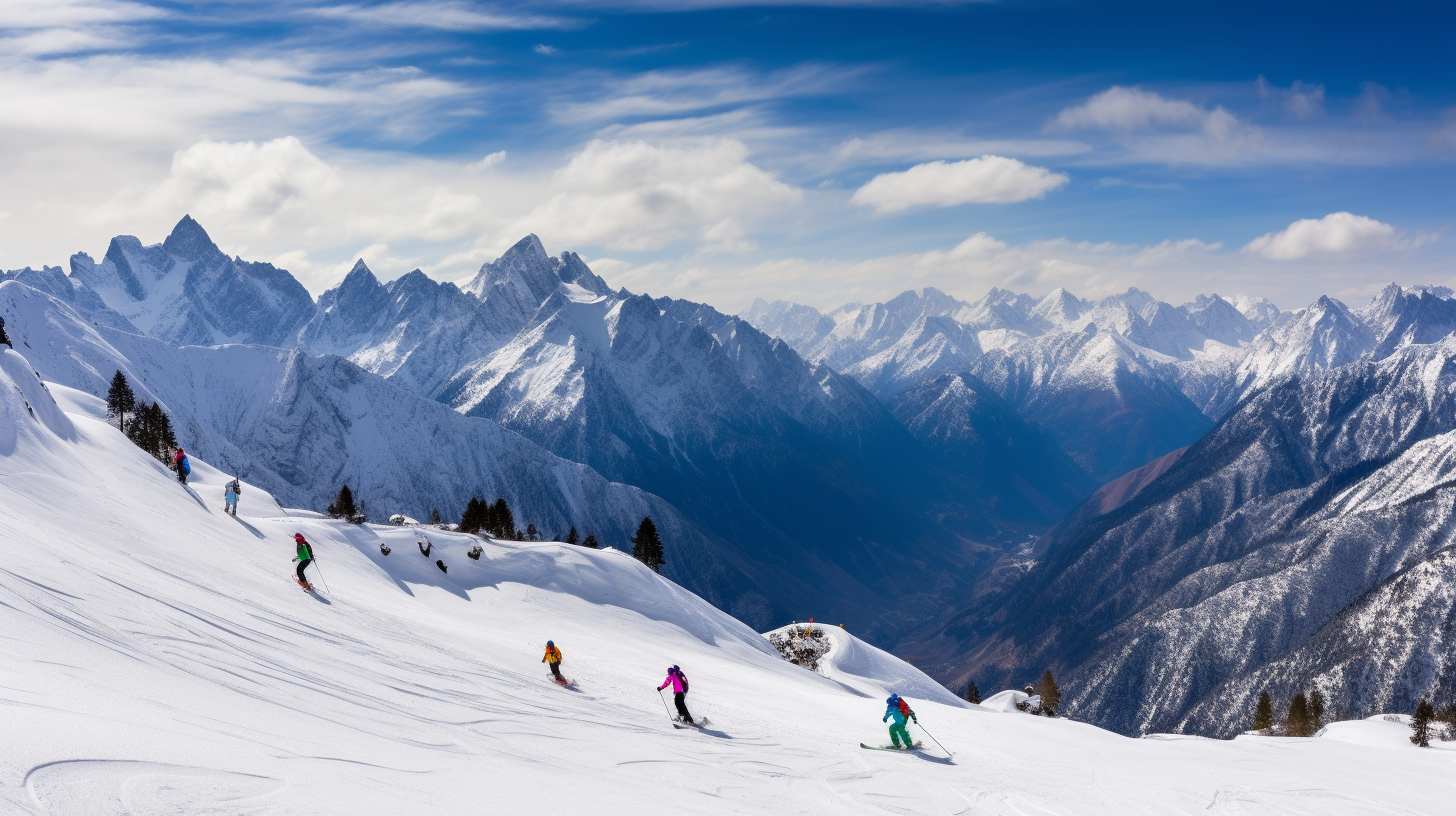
{"x":304,"y":558}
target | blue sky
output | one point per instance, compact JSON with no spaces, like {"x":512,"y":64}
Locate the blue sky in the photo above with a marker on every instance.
{"x":724,"y":150}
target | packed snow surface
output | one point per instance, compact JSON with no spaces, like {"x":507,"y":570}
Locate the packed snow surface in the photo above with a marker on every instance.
{"x":158,"y":659}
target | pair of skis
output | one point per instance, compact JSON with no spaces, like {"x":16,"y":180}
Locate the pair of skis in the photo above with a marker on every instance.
{"x":916,"y":747}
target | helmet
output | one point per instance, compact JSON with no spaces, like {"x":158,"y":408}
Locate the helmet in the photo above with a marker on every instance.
{"x":550,"y":644}
{"x":894,"y":698}
{"x":298,"y":537}
{"x":675,"y":670}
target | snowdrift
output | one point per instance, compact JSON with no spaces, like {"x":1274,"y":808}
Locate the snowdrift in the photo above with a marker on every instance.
{"x":870,"y":670}
{"x":158,"y":659}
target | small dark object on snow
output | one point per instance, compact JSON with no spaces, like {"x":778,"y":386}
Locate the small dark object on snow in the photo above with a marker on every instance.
{"x":474,"y":553}
{"x":425,"y":547}
{"x":441,"y":565}
{"x":384,"y":549}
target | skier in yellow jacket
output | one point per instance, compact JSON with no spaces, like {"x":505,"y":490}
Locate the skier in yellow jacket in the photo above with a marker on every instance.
{"x":552,"y":659}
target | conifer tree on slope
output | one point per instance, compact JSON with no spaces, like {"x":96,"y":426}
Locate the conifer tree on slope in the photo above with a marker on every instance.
{"x":120,"y":400}
{"x":343,"y":506}
{"x":1296,"y":722}
{"x":1264,"y":712}
{"x":473,"y":520}
{"x":1421,"y":723}
{"x":591,"y":542}
{"x":502,"y":523}
{"x":571,"y":536}
{"x":4,"y":338}
{"x":1051,"y":695}
{"x":1316,"y":710}
{"x":973,"y":694}
{"x":647,"y":545}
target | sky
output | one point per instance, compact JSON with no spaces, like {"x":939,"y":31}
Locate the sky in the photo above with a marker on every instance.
{"x":825,"y":152}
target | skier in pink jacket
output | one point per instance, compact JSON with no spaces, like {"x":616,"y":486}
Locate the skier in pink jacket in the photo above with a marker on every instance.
{"x":679,"y":683}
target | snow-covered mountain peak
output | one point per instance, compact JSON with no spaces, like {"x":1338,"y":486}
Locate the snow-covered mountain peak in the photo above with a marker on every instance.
{"x":1060,"y":307}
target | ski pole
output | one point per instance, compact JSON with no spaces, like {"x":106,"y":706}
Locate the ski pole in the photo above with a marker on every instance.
{"x":330,"y":591}
{"x":664,"y":704}
{"x":933,"y":739}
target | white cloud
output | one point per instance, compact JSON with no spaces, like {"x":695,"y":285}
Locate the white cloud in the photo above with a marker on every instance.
{"x":69,"y":13}
{"x":637,"y":195}
{"x":984,"y":180}
{"x":440,"y":14}
{"x":1122,"y":108}
{"x":546,"y":50}
{"x":240,"y":179}
{"x":489,"y":160}
{"x":1301,"y":100}
{"x":1336,"y":233}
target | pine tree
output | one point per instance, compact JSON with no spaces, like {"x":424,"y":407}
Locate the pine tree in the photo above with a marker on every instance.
{"x":973,"y":694}
{"x":591,"y":542}
{"x":120,"y":400}
{"x":1421,"y":723}
{"x":435,"y":516}
{"x":343,"y":506}
{"x":502,"y":524}
{"x":647,"y":545}
{"x":474,"y":519}
{"x":1051,"y":696}
{"x":4,"y":338}
{"x":1316,"y":710}
{"x":1296,"y":722}
{"x":151,"y":430}
{"x":571,"y":536}
{"x":531,"y":534}
{"x":1264,"y":713}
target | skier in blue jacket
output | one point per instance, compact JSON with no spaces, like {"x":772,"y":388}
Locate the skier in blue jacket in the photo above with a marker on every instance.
{"x":900,"y":710}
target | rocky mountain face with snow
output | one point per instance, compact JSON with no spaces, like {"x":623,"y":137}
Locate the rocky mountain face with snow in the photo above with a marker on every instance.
{"x":1295,"y":545}
{"x":810,"y":485}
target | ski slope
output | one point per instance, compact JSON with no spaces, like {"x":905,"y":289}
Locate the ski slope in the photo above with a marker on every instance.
{"x":156,"y":659}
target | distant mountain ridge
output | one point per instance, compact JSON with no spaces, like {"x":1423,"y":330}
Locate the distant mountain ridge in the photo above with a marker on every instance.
{"x":810,"y":485}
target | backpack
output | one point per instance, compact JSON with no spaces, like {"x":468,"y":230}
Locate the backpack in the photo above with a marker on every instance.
{"x":684,"y":679}
{"x":237,"y":488}
{"x":904,"y":707}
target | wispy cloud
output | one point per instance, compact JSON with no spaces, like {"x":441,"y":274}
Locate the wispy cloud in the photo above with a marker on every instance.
{"x":668,"y":93}
{"x":444,"y":15}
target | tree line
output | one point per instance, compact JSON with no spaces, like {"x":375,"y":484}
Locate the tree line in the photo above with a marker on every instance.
{"x":497,"y":520}
{"x":144,"y":423}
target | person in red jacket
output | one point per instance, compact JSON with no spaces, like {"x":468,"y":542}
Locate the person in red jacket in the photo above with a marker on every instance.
{"x":182,"y":465}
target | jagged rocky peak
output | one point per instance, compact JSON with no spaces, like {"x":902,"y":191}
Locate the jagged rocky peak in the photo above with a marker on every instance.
{"x":189,"y":241}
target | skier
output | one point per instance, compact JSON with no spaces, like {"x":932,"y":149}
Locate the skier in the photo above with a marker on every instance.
{"x":304,"y":558}
{"x":679,"y":683}
{"x":230,"y":493}
{"x":552,"y":659}
{"x":900,"y":710}
{"x":182,"y":464}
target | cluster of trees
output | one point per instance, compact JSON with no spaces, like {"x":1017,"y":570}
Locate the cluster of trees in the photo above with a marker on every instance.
{"x":1427,"y":719}
{"x":1303,"y":716}
{"x":973,"y":694}
{"x":144,"y":423}
{"x":4,"y":338}
{"x":573,"y":537}
{"x":344,"y":506}
{"x":495,"y":520}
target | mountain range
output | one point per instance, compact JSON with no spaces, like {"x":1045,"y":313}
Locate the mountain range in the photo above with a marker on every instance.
{"x":1174,"y":506}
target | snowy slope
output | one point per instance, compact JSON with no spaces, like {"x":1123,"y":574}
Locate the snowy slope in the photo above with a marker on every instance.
{"x":160,"y":661}
{"x":303,"y":425}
